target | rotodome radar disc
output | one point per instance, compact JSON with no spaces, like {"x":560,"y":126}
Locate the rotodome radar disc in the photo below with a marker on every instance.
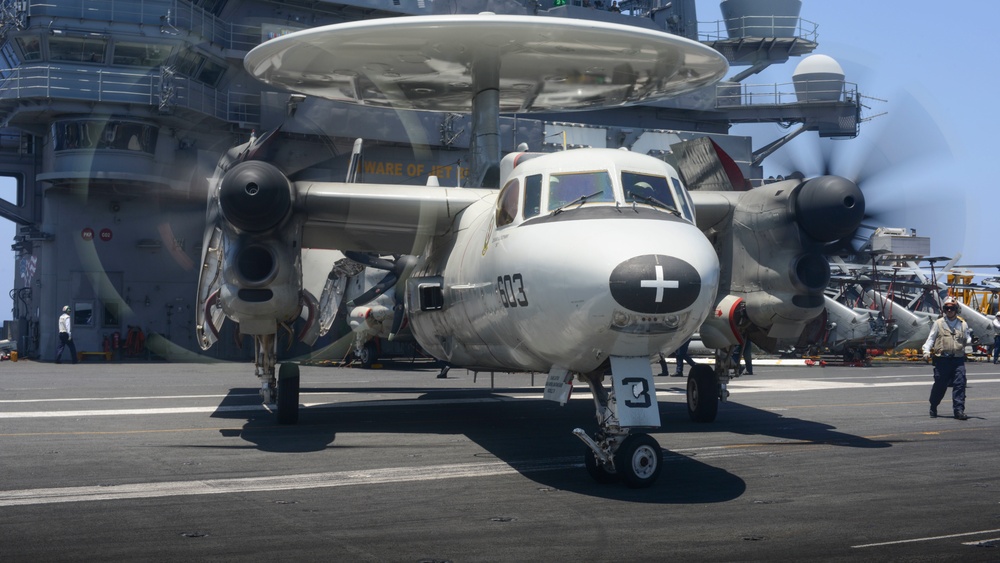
{"x":439,"y":63}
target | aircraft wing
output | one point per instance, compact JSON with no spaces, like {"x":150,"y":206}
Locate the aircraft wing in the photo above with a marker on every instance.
{"x":712,"y":208}
{"x":385,"y":218}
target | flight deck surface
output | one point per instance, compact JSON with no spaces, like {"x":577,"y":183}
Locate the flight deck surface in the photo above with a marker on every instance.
{"x":179,"y":462}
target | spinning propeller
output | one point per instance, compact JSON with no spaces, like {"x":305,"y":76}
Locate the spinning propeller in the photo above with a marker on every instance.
{"x":897,"y":162}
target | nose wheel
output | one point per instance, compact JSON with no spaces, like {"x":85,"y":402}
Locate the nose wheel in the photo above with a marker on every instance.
{"x":614,"y":454}
{"x":634,"y":459}
{"x":639,"y":460}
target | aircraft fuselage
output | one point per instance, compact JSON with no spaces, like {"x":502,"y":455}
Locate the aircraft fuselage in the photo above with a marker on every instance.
{"x":565,"y":288}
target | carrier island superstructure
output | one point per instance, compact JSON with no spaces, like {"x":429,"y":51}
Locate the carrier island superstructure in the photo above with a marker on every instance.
{"x":114,"y":114}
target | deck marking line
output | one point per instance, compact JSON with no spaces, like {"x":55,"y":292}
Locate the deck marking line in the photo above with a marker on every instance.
{"x":28,"y":497}
{"x":914,"y":540}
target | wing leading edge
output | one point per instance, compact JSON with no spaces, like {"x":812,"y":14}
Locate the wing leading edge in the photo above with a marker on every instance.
{"x":383,"y":218}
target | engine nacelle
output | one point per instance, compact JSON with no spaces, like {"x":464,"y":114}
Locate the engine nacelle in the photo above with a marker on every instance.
{"x":261,"y":262}
{"x":255,"y":197}
{"x":723,"y":328}
{"x":365,"y":318}
{"x":778,"y":232}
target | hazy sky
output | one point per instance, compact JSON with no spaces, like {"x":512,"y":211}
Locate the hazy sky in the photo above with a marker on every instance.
{"x":933,"y":149}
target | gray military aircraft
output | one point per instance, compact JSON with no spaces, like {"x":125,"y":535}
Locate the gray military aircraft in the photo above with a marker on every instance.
{"x":578,"y":264}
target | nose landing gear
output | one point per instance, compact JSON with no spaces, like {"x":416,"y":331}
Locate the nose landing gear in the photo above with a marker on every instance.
{"x":615,"y":453}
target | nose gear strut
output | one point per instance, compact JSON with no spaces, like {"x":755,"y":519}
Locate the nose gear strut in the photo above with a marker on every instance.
{"x":614,"y":453}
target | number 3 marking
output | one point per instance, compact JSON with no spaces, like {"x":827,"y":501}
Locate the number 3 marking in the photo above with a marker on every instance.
{"x":641,"y":393}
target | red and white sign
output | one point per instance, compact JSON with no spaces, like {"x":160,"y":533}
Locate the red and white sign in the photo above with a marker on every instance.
{"x":87,"y":233}
{"x":105,"y":235}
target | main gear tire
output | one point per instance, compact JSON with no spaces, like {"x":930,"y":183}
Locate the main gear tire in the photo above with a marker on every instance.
{"x":368,"y":355}
{"x":288,"y":394}
{"x":702,"y":394}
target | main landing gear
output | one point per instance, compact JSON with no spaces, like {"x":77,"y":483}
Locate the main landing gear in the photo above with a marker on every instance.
{"x":614,"y":453}
{"x":703,"y":394}
{"x":281,"y":392}
{"x":707,"y":387}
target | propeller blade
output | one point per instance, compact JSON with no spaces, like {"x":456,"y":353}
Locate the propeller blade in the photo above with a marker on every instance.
{"x":310,"y":331}
{"x":379,"y":288}
{"x":371,"y":260}
{"x":897,"y":161}
{"x":398,"y":315}
{"x":257,"y":146}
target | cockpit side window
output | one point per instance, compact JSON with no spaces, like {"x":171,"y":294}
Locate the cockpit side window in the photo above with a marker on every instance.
{"x":507,"y":203}
{"x":565,"y":189}
{"x":685,"y":200}
{"x":532,"y":195}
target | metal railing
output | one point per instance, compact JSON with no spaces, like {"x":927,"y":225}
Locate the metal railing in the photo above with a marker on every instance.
{"x":734,"y":95}
{"x":757,"y":26}
{"x":171,"y":17}
{"x":140,"y":88}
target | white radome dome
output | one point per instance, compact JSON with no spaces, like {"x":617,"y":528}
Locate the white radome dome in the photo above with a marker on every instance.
{"x":818,"y":64}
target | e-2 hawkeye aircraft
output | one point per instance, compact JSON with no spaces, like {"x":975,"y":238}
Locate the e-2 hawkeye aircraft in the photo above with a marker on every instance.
{"x":578,"y":263}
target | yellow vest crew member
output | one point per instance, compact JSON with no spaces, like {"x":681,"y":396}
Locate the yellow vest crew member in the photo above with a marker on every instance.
{"x":947,"y":341}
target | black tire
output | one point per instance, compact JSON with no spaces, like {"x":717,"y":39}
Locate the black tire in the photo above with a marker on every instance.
{"x":639,"y":460}
{"x":369,"y":354}
{"x":288,"y":394}
{"x":596,"y":470}
{"x":702,"y":394}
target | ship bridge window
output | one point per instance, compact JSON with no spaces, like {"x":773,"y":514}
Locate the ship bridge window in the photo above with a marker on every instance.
{"x":210,"y":6}
{"x":650,"y":189}
{"x":187,"y":63}
{"x":31,"y":47}
{"x":89,"y":49}
{"x":507,"y":203}
{"x":128,"y":53}
{"x":104,"y":134}
{"x":193,"y":65}
{"x":572,"y":188}
{"x":211,"y":73}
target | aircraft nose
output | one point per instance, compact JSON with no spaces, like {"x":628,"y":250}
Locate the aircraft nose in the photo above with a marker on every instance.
{"x":655,"y":284}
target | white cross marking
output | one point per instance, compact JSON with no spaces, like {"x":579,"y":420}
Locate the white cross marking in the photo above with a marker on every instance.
{"x":659,"y":283}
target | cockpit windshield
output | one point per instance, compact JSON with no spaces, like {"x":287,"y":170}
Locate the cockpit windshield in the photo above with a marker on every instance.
{"x":656,"y":191}
{"x":579,"y":188}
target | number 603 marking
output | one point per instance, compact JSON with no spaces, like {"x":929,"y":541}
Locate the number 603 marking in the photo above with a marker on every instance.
{"x":511,"y":290}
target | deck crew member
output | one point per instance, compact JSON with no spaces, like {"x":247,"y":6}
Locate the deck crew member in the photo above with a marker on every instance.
{"x":996,"y":337}
{"x":947,"y":341}
{"x":65,"y":336}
